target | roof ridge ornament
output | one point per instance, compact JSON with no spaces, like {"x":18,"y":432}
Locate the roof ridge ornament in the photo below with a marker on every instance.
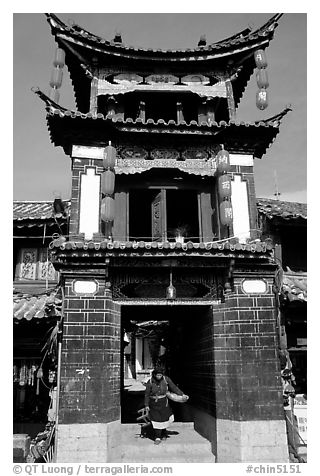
{"x":202,"y":41}
{"x":117,"y":38}
{"x":277,"y":117}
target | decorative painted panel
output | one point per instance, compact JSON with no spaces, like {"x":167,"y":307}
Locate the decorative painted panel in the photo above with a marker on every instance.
{"x":167,"y":154}
{"x":28,"y":263}
{"x":46,"y":269}
{"x":152,"y":283}
{"x":133,"y":153}
{"x":36,"y":264}
{"x":195,"y":154}
{"x":161,"y":78}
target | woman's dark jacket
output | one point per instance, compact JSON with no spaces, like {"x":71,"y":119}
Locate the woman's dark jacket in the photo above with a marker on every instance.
{"x":155,"y":388}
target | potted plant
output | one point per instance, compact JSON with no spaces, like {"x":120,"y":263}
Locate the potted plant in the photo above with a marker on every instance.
{"x":180,"y":232}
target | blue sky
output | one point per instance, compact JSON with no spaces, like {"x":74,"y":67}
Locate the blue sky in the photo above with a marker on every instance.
{"x":40,"y":170}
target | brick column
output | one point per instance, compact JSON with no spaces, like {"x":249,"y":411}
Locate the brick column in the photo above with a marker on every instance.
{"x":249,"y":412}
{"x":89,"y":407}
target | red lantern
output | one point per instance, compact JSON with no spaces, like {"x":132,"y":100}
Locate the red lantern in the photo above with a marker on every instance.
{"x":107,"y":209}
{"x":109,"y":157}
{"x":262,"y":79}
{"x":56,"y":78}
{"x":226,"y":215}
{"x":260,"y":59}
{"x":59,"y":58}
{"x":262,"y":99}
{"x":107,"y":185}
{"x":224,"y":187}
{"x":223,"y":161}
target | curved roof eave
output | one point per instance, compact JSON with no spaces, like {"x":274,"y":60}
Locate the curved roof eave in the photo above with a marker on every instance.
{"x":77,"y":42}
{"x":268,"y":128}
{"x":238,"y":41}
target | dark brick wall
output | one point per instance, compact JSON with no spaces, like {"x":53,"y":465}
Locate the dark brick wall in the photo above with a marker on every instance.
{"x":246,"y":365}
{"x":91,"y":342}
{"x":233,"y":364}
{"x":199,"y":356}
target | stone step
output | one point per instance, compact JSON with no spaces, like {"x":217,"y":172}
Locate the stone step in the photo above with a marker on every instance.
{"x":184,"y":445}
{"x":173,"y":459}
{"x":153,"y":449}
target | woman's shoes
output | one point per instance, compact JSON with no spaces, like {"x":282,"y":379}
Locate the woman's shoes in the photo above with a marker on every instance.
{"x":157,"y":441}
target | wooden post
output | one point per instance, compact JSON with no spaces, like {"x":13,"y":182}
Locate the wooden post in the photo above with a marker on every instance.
{"x":180,"y":117}
{"x":94,"y":96}
{"x":230,"y":99}
{"x":202,"y":112}
{"x":142,"y":111}
{"x":210,"y":111}
{"x":111,"y":106}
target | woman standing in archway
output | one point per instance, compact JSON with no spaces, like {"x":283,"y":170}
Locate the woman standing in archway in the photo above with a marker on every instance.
{"x":156,"y":401}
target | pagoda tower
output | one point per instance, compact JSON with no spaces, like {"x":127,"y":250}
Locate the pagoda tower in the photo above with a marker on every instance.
{"x":163,"y":225}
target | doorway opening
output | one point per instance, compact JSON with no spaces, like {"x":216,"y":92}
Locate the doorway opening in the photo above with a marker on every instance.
{"x":163,"y":214}
{"x":179,"y":338}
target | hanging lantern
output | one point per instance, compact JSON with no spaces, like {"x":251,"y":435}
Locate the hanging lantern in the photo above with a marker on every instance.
{"x":56,"y":78}
{"x":59,"y":58}
{"x":107,"y":209}
{"x":224,"y":187}
{"x":262,"y":99}
{"x":223,"y":161}
{"x":226,"y":215}
{"x":107,"y":185}
{"x":171,"y":292}
{"x":262,"y":79}
{"x":109,"y":157}
{"x":260,"y":59}
{"x":54,"y":95}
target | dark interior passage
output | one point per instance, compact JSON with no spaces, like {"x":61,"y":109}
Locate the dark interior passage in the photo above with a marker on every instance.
{"x":182,"y":214}
{"x":163,"y":214}
{"x":180,"y":339}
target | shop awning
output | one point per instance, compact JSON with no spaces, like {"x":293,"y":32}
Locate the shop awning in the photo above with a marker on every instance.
{"x":36,"y":306}
{"x":294,"y":286}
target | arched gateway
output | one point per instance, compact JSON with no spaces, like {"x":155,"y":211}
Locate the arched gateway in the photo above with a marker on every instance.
{"x":163,"y":228}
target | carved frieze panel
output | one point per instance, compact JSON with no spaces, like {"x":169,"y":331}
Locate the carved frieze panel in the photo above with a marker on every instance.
{"x":128,"y":77}
{"x":133,"y":153}
{"x":192,"y":79}
{"x":147,"y":284}
{"x":196,"y":154}
{"x":164,"y":154}
{"x":191,"y":166}
{"x":161,"y":78}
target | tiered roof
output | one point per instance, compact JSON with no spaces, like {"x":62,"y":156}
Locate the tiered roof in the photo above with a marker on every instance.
{"x":232,"y":56}
{"x":36,"y":213}
{"x":250,"y":137}
{"x":37,"y":305}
